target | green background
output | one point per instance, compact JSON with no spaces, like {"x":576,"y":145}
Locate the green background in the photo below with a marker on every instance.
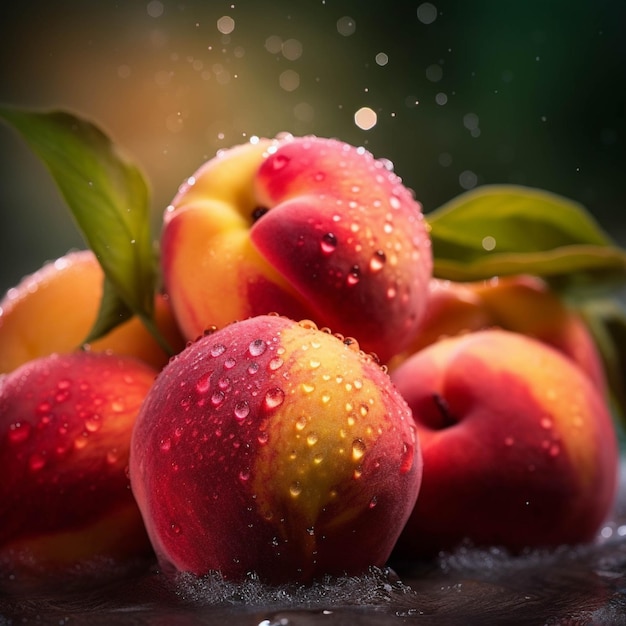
{"x":489,"y":92}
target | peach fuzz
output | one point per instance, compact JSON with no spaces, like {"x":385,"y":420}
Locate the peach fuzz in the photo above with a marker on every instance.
{"x":306,"y":227}
{"x":523,"y":304}
{"x":519,"y":447}
{"x":53,"y":310}
{"x":65,"y":429}
{"x":272,"y":447}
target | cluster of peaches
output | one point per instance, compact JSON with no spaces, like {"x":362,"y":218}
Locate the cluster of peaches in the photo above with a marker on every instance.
{"x":328,"y":404}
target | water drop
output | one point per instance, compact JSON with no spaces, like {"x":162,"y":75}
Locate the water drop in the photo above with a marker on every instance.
{"x":546,"y":423}
{"x":318,"y":458}
{"x":328,"y":244}
{"x":353,"y":276}
{"x":307,"y":387}
{"x":274,"y":398}
{"x":36,"y":462}
{"x":406,"y":458}
{"x":217,"y":349}
{"x":19,"y":432}
{"x":204,"y":383}
{"x":229,"y":363}
{"x":244,"y":475}
{"x":257,"y":347}
{"x":312,"y":439}
{"x":279,"y":162}
{"x":217,"y":398}
{"x":295,"y":489}
{"x":275,"y":363}
{"x":301,"y":422}
{"x":358,"y":449}
{"x":554,"y":450}
{"x":242,"y":409}
{"x":176,"y":529}
{"x":263,"y":437}
{"x":93,"y":423}
{"x":373,"y":502}
{"x":166,"y":444}
{"x":377,"y":262}
{"x":253,"y":368}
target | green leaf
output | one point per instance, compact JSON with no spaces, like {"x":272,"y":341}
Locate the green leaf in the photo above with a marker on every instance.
{"x":506,"y":229}
{"x":109,"y":200}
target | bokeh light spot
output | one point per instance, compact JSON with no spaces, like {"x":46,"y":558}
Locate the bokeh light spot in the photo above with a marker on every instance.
{"x":426,"y":13}
{"x":291,"y":49}
{"x":226,"y":25}
{"x":346,"y":26}
{"x":365,"y":118}
{"x":382,"y":59}
{"x":155,"y":8}
{"x":289,"y":80}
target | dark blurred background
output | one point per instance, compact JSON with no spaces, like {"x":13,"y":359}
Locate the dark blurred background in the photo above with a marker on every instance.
{"x":464,"y":93}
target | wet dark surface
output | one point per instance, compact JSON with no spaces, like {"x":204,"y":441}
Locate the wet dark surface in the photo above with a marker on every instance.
{"x":569,"y":586}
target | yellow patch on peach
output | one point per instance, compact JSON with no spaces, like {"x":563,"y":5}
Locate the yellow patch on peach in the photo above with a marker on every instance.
{"x":53,"y":310}
{"x":322,"y":452}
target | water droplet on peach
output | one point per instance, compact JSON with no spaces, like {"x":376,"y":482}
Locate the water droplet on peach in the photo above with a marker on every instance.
{"x":377,"y":262}
{"x":307,"y":387}
{"x":279,"y":161}
{"x":301,"y":422}
{"x":204,"y":383}
{"x":229,"y":363}
{"x":358,"y":449}
{"x":353,"y":276}
{"x":328,"y":243}
{"x":244,"y":475}
{"x":373,"y":502}
{"x":93,"y":423}
{"x":274,"y":398}
{"x":275,"y":363}
{"x":263,"y":437}
{"x":242,"y":410}
{"x":36,"y":462}
{"x":217,"y":398}
{"x":295,"y":489}
{"x":406,"y":458}
{"x":257,"y":347}
{"x":217,"y":349}
{"x":19,"y":432}
{"x":312,"y":439}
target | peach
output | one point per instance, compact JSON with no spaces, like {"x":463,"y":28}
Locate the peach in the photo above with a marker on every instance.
{"x":273,"y":447}
{"x":523,"y":304}
{"x":65,"y":429}
{"x":307,"y":227}
{"x":519,"y":447}
{"x":53,"y":310}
